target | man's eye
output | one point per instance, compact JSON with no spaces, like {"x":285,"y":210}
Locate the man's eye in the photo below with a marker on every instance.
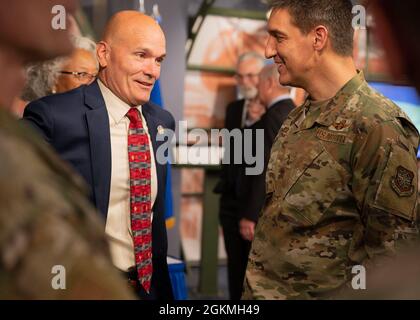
{"x":141,"y":54}
{"x":159,"y":60}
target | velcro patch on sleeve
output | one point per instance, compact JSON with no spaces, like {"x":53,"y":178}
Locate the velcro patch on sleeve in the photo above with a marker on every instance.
{"x":402,"y":182}
{"x":329,"y":136}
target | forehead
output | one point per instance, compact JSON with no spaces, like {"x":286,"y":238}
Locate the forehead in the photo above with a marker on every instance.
{"x":151,"y":39}
{"x":82,"y":54}
{"x":280,"y":21}
{"x":81,"y":58}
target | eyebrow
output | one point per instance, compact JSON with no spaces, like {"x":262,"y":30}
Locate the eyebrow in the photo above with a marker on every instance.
{"x":275,"y":33}
{"x":148,"y":51}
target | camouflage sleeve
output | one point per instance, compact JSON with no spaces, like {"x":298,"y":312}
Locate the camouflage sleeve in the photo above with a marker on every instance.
{"x":48,"y":259}
{"x":52,"y":242}
{"x":384,"y":184}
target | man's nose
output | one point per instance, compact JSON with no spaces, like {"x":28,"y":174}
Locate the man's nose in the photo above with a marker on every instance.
{"x":152,"y":69}
{"x":270,"y":48}
{"x":248,"y":82}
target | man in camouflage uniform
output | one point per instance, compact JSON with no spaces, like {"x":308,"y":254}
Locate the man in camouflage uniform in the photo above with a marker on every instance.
{"x":45,"y":217}
{"x":342,"y":176}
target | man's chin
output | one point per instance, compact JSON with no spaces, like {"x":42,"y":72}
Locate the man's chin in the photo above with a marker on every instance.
{"x":142,"y":100}
{"x":286,"y":81}
{"x":250,"y":94}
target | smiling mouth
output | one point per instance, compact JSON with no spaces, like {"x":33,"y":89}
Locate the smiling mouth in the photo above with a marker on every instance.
{"x":145,"y":84}
{"x":280,"y":65}
{"x":280,"y":62}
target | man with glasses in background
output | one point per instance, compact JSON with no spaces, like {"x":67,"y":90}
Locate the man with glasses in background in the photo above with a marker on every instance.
{"x":248,"y":68}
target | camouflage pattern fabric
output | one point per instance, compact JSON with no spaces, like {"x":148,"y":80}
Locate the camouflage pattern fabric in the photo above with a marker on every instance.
{"x":46,"y":220}
{"x":341,"y":190}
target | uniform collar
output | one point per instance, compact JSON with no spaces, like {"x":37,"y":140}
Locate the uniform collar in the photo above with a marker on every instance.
{"x":328,"y":113}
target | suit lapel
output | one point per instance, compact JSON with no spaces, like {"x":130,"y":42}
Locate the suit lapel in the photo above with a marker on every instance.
{"x":100,"y":146}
{"x":152,"y":124}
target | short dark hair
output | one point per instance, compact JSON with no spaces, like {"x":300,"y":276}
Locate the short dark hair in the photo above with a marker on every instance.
{"x":335,"y":15}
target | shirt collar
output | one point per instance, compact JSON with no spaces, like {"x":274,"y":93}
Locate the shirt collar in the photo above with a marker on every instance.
{"x":278,"y":99}
{"x":117,"y":108}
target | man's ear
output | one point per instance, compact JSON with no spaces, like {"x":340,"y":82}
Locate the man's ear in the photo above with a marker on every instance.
{"x":320,"y":37}
{"x":102,"y":52}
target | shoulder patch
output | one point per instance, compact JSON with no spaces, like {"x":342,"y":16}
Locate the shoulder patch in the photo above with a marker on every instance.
{"x":402,"y":182}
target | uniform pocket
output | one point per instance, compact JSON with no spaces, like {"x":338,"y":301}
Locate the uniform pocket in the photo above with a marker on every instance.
{"x":315,"y":190}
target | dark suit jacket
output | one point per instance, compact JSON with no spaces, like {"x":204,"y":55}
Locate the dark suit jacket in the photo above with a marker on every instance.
{"x":229,"y":185}
{"x":76,"y":124}
{"x":234,"y":112}
{"x":253,"y":187}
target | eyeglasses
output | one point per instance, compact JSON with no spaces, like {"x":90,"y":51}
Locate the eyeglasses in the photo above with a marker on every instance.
{"x":247,"y":75}
{"x":82,"y":76}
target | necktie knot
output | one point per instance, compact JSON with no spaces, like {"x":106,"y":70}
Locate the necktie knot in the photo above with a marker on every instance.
{"x":133,"y":115}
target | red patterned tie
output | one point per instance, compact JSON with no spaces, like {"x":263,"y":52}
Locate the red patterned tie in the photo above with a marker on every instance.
{"x":140,"y":197}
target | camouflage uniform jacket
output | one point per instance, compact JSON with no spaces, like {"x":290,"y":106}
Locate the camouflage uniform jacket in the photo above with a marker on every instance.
{"x":341,"y":189}
{"x":46,"y":221}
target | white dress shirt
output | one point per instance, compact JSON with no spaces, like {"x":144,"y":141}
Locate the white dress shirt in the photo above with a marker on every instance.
{"x":244,"y":113}
{"x":118,"y":222}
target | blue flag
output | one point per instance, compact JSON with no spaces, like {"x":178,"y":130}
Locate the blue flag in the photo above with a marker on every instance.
{"x":156,"y":98}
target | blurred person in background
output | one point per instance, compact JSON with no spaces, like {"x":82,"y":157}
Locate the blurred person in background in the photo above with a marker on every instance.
{"x":255,"y":111}
{"x":46,"y":220}
{"x":80,"y":68}
{"x":60,"y":74}
{"x":397,"y":27}
{"x":248,"y":67}
{"x":278,"y":102}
